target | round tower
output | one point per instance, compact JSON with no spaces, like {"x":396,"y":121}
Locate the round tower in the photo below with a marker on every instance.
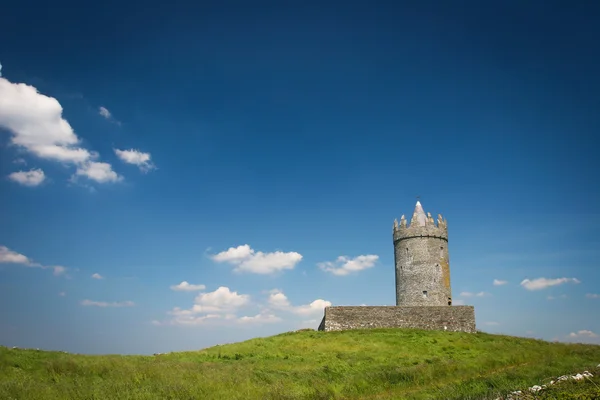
{"x":422,"y":263}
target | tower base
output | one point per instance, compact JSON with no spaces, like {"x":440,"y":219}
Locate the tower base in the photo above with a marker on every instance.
{"x":445,"y":318}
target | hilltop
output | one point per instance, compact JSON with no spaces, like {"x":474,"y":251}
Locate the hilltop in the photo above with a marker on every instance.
{"x":360,"y":364}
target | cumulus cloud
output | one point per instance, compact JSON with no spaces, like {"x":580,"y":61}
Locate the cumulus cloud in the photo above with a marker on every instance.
{"x":33,"y":177}
{"x":498,"y":282}
{"x":247,"y":260}
{"x":592,"y":296}
{"x":136,"y":157}
{"x":543,"y":283}
{"x":469,"y":294}
{"x":187,"y":287}
{"x":279,"y":301}
{"x":97,"y":276}
{"x":36,"y":124}
{"x":100,"y":172}
{"x":345,"y":265}
{"x":583,"y":334}
{"x":221,"y":300}
{"x":107,"y":304}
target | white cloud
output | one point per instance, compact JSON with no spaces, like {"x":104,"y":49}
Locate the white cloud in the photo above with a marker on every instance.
{"x":36,"y":124}
{"x":104,"y":112}
{"x":592,"y":296}
{"x":20,"y":161}
{"x":247,"y":260}
{"x":583,"y":334}
{"x":498,"y":282}
{"x":221,"y":300}
{"x":33,"y":177}
{"x":8,"y":256}
{"x":262,"y":318}
{"x":187,"y":287}
{"x":469,"y":294}
{"x":491,"y":323}
{"x":279,"y":301}
{"x":107,"y":304}
{"x":543,"y":283}
{"x":344,"y":265}
{"x":100,"y":172}
{"x":97,"y":276}
{"x":62,"y":294}
{"x":136,"y":157}
{"x":458,"y":302}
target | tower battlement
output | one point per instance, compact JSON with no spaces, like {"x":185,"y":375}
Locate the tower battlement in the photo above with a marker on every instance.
{"x":421,"y":225}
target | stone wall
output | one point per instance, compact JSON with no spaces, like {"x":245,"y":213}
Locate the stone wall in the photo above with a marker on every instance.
{"x":453,"y":318}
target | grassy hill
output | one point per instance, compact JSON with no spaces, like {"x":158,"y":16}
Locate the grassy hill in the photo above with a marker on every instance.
{"x":362,"y":364}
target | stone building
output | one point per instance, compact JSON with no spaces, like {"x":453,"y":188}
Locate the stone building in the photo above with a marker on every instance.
{"x":423,"y":292}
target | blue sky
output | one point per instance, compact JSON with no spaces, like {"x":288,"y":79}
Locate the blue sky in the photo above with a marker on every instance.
{"x":238,"y":147}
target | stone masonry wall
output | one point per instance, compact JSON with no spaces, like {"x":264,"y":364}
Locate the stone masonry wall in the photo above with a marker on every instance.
{"x":453,"y":318}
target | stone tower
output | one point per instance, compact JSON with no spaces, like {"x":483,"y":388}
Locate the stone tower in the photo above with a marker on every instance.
{"x":422,"y":263}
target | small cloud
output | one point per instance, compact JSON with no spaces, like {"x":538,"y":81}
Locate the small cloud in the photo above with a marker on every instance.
{"x":247,"y":260}
{"x":583,"y":334}
{"x":100,"y":172}
{"x":469,"y":294}
{"x":345,"y":265}
{"x":458,"y":302}
{"x":8,"y":256}
{"x":107,"y":304}
{"x":136,"y":157}
{"x":62,"y":294}
{"x":187,"y":287}
{"x":491,"y":323}
{"x":529,"y":332}
{"x":31,"y":178}
{"x":592,"y":296}
{"x":543,"y":283}
{"x":20,"y":161}
{"x":103,"y":111}
{"x":97,"y":276}
{"x":498,"y":282}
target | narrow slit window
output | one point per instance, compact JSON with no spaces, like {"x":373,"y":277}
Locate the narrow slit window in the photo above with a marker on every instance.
{"x":424,"y":294}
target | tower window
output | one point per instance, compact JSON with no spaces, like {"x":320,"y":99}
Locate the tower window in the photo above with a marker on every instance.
{"x":424,"y":294}
{"x":441,"y":251}
{"x":449,"y":301}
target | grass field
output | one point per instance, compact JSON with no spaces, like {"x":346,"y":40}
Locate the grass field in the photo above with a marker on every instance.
{"x":361,"y":364}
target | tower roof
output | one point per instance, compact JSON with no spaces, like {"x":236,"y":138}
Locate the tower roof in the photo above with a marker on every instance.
{"x":419,"y":216}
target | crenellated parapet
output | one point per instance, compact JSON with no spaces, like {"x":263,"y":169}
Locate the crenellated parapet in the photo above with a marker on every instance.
{"x":421,"y":225}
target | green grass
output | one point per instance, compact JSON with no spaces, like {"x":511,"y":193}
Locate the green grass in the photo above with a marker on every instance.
{"x":361,"y":364}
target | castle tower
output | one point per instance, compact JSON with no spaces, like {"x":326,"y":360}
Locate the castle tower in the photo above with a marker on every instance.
{"x":422,"y":263}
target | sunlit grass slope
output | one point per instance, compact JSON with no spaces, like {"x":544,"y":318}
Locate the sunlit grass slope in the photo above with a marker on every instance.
{"x":361,"y":364}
